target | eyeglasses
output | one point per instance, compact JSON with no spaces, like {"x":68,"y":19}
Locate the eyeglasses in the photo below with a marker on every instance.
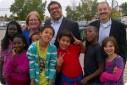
{"x":33,"y":20}
{"x":54,"y":8}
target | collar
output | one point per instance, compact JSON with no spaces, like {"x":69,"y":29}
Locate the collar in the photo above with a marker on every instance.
{"x":57,"y":21}
{"x":107,"y":24}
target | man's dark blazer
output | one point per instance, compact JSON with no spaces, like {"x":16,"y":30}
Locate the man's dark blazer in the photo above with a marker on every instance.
{"x":118,"y":31}
{"x":67,"y":25}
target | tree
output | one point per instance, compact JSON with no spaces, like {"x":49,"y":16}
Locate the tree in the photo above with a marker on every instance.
{"x":22,"y":7}
{"x":86,"y":10}
{"x":116,"y":14}
{"x":124,"y":8}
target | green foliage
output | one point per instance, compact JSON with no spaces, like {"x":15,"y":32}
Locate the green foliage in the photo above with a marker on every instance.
{"x":86,"y":10}
{"x":22,"y":7}
{"x":124,"y":8}
{"x":116,"y":14}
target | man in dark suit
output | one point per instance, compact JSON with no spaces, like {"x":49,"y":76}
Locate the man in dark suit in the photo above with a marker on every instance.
{"x":60,"y":23}
{"x":109,"y":27}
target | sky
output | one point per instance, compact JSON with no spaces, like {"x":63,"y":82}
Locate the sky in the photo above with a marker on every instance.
{"x":5,"y":5}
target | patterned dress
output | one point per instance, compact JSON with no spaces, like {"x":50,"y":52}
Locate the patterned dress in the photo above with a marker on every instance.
{"x":41,"y":61}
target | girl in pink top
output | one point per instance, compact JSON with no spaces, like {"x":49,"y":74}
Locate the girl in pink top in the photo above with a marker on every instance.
{"x":114,"y":66}
{"x":17,"y":66}
{"x":6,"y":44}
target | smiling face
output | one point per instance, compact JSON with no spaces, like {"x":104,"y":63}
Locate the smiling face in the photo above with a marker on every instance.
{"x":104,"y":11}
{"x":55,"y":11}
{"x":35,"y":37}
{"x":12,"y":30}
{"x":91,"y":34}
{"x":109,"y":48}
{"x":64,"y":42}
{"x":46,"y":35}
{"x":33,"y":22}
{"x":18,"y":45}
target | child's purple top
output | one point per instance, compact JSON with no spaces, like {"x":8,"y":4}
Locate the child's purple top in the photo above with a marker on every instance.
{"x":17,"y":67}
{"x":117,"y":62}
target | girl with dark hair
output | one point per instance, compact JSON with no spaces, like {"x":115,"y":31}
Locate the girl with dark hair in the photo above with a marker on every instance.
{"x":114,"y":65}
{"x":13,"y":28}
{"x":17,"y":65}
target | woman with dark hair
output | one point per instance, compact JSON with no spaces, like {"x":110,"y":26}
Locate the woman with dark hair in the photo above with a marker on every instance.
{"x":13,"y":28}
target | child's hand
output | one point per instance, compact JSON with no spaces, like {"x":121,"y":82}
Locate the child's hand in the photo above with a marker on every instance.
{"x":50,"y":82}
{"x":13,"y":52}
{"x":32,"y":82}
{"x":78,"y":42}
{"x":84,"y":81}
{"x":115,"y":69}
{"x":60,"y":60}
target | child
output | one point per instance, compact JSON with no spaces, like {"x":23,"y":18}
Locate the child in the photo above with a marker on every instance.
{"x":93,"y":61}
{"x":6,"y":44}
{"x":68,"y":66}
{"x":35,"y":36}
{"x":114,"y":65}
{"x":17,"y":66}
{"x":42,"y":58}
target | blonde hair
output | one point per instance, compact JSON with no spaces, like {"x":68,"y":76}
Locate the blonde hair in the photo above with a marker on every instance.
{"x":33,"y":13}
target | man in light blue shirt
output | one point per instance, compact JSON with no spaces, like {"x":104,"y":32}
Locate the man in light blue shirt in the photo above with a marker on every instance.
{"x":104,"y":31}
{"x":56,"y":25}
{"x":109,"y":27}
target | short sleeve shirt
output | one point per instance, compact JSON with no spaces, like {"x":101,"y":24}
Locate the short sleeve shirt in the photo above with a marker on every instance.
{"x":92,"y":59}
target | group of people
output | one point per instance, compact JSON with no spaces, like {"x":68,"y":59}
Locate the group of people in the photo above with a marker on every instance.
{"x":49,"y":54}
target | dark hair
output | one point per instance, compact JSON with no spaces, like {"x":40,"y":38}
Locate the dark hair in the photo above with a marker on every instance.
{"x":23,"y":39}
{"x":5,"y":40}
{"x":53,"y":2}
{"x":34,"y":33}
{"x":110,"y":39}
{"x":67,"y":34}
{"x":90,"y":26}
{"x":95,"y":29}
{"x":103,"y":2}
{"x":47,"y":26}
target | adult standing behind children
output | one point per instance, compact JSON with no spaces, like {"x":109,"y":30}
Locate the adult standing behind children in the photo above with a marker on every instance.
{"x":59,"y":22}
{"x":109,"y":27}
{"x":33,"y":23}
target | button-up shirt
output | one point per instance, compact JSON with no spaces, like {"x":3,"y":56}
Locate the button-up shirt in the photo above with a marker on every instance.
{"x":104,"y":31}
{"x":56,"y":26}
